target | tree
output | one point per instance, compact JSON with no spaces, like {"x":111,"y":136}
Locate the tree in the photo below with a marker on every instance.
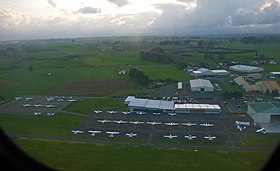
{"x":30,"y":68}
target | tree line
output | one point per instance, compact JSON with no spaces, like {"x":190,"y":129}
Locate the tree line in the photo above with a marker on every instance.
{"x":139,"y":76}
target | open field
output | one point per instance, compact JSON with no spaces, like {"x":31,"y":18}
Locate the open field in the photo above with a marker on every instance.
{"x":83,"y":156}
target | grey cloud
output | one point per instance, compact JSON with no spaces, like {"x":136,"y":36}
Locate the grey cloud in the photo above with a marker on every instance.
{"x":52,"y":3}
{"x":119,"y":3}
{"x":89,"y":10}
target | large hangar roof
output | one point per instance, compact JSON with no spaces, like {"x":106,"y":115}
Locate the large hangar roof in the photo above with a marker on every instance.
{"x":266,"y":107}
{"x":246,"y":68}
{"x":200,"y":83}
{"x":152,"y":104}
{"x":196,"y":106}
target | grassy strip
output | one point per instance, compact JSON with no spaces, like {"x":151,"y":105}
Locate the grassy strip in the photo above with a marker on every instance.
{"x":83,"y":156}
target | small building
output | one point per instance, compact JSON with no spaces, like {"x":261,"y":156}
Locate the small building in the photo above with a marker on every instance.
{"x":180,"y":86}
{"x":246,"y":68}
{"x":122,"y":72}
{"x":263,"y":112}
{"x":254,"y":76}
{"x":275,"y":74}
{"x":201,"y":85}
{"x":240,"y":81}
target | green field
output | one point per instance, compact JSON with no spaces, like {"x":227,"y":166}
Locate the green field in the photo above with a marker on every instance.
{"x":87,"y":106}
{"x":82,"y":156}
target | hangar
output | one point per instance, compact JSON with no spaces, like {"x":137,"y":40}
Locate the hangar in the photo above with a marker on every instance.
{"x":263,"y":112}
{"x":206,"y":72}
{"x":138,"y":104}
{"x":201,"y":85}
{"x":246,"y":68}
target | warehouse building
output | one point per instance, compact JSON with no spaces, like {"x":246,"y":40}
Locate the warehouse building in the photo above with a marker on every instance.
{"x":240,"y":81}
{"x":197,"y":108}
{"x":246,"y":68}
{"x":254,"y":76}
{"x":269,"y":87}
{"x":201,"y":85}
{"x":206,"y":72}
{"x":138,"y":104}
{"x":264,"y":112}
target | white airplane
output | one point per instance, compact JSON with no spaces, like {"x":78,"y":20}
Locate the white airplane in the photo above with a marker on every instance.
{"x":189,"y":124}
{"x":37,"y":113}
{"x":120,"y":122}
{"x":190,"y":137}
{"x":172,"y":114}
{"x":49,"y":98}
{"x":206,"y":124}
{"x":50,"y":113}
{"x":240,"y":128}
{"x":154,"y":123}
{"x":37,"y":105}
{"x":262,"y":130}
{"x":156,"y":113}
{"x":171,"y":123}
{"x":94,"y":132}
{"x":28,"y":98}
{"x":170,"y":136}
{"x":135,"y":122}
{"x":242,"y":123}
{"x":97,"y":111}
{"x":209,"y":137}
{"x":131,"y":135}
{"x":112,"y":134}
{"x":125,"y":112}
{"x":77,"y":132}
{"x":104,"y":121}
{"x":26,"y":105}
{"x":50,"y":106}
{"x":18,"y":98}
{"x":141,"y":113}
{"x":112,"y":112}
{"x":71,"y":100}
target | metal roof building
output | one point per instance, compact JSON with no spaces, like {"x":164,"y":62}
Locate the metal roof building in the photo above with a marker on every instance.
{"x":201,"y":85}
{"x":197,"y":108}
{"x":207,"y":72}
{"x":246,"y":68}
{"x":262,"y":112}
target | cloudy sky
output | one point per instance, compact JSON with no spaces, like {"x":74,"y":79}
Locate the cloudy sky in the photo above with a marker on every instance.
{"x":33,"y":19}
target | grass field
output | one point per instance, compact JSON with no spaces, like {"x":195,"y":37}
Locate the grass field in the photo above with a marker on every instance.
{"x":162,"y":72}
{"x":88,"y":105}
{"x":83,"y":156}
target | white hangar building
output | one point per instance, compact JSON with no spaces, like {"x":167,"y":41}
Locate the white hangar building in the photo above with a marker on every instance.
{"x":138,"y":104}
{"x":263,"y":112}
{"x":246,"y":68}
{"x":206,"y":72}
{"x":201,"y":85}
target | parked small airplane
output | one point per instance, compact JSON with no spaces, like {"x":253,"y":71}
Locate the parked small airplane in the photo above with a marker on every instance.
{"x":26,"y":105}
{"x":209,"y":137}
{"x":49,"y":98}
{"x":189,"y":124}
{"x":77,"y":132}
{"x":206,"y":124}
{"x":154,"y":123}
{"x":172,"y":114}
{"x":94,"y":132}
{"x":104,"y":121}
{"x":136,"y":122}
{"x":170,"y":136}
{"x":38,"y":105}
{"x":112,"y":112}
{"x":190,"y":137}
{"x":120,"y":122}
{"x":28,"y":98}
{"x":71,"y":100}
{"x":18,"y":98}
{"x":171,"y":123}
{"x":50,"y":106}
{"x":131,"y":135}
{"x":240,"y":128}
{"x":37,"y":113}
{"x":141,"y":113}
{"x":112,"y":133}
{"x":50,"y":113}
{"x":242,"y":123}
{"x":97,"y":111}
{"x":126,"y":112}
{"x":262,"y":130}
{"x":156,"y":113}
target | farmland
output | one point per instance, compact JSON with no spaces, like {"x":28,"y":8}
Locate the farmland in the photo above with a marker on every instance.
{"x":88,"y":68}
